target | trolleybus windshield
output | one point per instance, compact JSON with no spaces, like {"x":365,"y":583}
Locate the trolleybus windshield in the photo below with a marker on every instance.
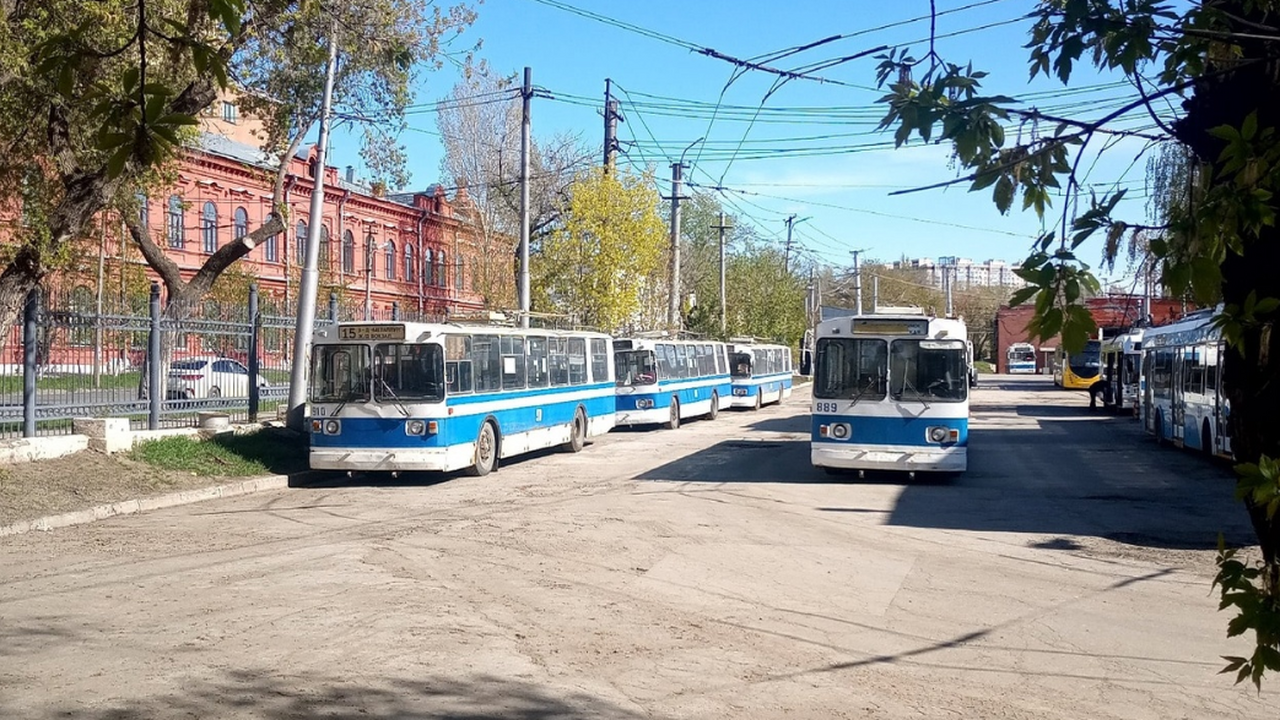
{"x":928,"y":370}
{"x":740,"y":364}
{"x":1087,"y":362}
{"x":409,"y":373}
{"x":340,"y":374}
{"x":634,"y":367}
{"x":851,"y":369}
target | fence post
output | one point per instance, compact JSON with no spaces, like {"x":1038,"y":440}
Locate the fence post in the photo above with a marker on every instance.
{"x":30,"y":326}
{"x":255,"y":393}
{"x":395,"y":310}
{"x":153,"y":362}
{"x":333,"y":307}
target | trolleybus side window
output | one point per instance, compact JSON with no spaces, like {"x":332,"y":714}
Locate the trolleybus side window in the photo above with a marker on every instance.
{"x":577,"y":361}
{"x":721,"y":368}
{"x":1161,"y":373}
{"x":928,"y":370}
{"x":706,"y":360}
{"x":537,"y":362}
{"x":486,"y":362}
{"x":666,"y":356}
{"x":849,"y":368}
{"x":599,"y":360}
{"x":558,"y":360}
{"x":513,"y":373}
{"x":406,"y":373}
{"x":457,"y":365}
{"x":340,"y":373}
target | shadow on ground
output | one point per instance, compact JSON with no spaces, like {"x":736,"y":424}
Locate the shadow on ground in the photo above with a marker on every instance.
{"x":242,"y":694}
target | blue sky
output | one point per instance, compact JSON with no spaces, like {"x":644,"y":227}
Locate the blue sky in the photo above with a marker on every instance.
{"x":838,"y":183}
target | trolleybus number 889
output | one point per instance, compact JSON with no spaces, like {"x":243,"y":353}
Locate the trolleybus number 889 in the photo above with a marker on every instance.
{"x":827,"y":407}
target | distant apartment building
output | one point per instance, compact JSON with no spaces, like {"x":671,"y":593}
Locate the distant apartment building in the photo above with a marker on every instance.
{"x":964,"y":272}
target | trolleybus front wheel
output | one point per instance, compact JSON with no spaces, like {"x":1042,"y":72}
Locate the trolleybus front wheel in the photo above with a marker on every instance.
{"x":759,"y":398}
{"x":578,"y":433}
{"x":715,"y":406}
{"x":674,"y":422}
{"x":486,"y":452}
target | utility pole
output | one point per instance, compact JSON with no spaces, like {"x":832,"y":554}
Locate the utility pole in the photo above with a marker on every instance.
{"x":875,"y":294}
{"x":526,"y":94}
{"x":857,"y":282}
{"x":297,"y":408}
{"x":722,"y":226}
{"x":611,"y":119}
{"x":673,"y":302}
{"x":786,"y":253}
{"x":946,"y":285}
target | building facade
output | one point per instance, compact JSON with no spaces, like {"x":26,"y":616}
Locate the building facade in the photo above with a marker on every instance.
{"x":964,"y":272}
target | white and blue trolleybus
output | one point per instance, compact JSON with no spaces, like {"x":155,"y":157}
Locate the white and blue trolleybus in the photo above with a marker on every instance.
{"x":1020,"y":359}
{"x":761,"y":373}
{"x":666,"y":381}
{"x":891,"y":392}
{"x":1183,"y":402}
{"x":403,"y":396}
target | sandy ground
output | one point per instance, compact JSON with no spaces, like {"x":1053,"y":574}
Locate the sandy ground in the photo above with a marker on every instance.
{"x":701,"y":573}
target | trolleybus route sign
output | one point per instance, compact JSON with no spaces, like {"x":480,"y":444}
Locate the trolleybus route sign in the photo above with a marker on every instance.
{"x":371,"y":332}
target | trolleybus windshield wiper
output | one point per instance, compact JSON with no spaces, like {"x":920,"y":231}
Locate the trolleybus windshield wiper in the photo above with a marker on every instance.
{"x":906,"y":384}
{"x":395,"y":399}
{"x":863,"y":391}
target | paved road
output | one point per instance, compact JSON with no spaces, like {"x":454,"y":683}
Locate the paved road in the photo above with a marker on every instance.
{"x":705,"y":572}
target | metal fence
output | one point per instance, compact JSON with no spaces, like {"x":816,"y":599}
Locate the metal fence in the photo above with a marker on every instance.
{"x":74,"y":356}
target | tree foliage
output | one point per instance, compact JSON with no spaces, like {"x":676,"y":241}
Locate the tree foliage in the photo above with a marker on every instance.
{"x":1217,"y":239}
{"x":596,"y":263}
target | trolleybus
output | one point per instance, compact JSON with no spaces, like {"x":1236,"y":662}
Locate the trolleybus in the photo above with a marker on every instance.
{"x":891,"y":392}
{"x":1078,"y":371}
{"x":403,"y":396}
{"x":665,"y":381}
{"x":1122,"y":369}
{"x":761,"y":373}
{"x":1020,"y":359}
{"x":1183,"y":403}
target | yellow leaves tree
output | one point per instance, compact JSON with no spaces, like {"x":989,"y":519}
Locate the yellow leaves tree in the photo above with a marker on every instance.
{"x":610,"y":245}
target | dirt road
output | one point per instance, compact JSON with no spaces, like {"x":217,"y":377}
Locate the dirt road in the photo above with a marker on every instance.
{"x":698,"y":573}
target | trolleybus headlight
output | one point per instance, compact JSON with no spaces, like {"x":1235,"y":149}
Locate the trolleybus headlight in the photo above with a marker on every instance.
{"x":332,"y":427}
{"x":840,"y":431}
{"x":416,"y":427}
{"x":643,"y":404}
{"x":938,"y":434}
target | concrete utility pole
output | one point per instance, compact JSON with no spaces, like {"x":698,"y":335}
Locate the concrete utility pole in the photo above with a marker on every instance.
{"x":526,"y":94}
{"x":786,"y":252}
{"x":295,"y":416}
{"x":946,"y":284}
{"x":722,"y":226}
{"x":611,"y":119}
{"x":673,"y":302}
{"x":875,"y":293}
{"x":857,"y":282}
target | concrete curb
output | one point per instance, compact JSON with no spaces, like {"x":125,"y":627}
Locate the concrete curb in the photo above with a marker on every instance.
{"x":133,"y":507}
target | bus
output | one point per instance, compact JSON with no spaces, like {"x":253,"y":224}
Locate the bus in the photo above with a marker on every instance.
{"x":761,"y":373}
{"x":891,"y":392}
{"x":404,"y":396}
{"x":1079,"y":371}
{"x":1020,"y":359}
{"x":664,"y":381}
{"x":1122,"y":369}
{"x":1183,"y":402}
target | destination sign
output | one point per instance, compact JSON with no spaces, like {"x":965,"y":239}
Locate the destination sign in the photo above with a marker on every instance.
{"x":873,"y":326}
{"x":371,"y":332}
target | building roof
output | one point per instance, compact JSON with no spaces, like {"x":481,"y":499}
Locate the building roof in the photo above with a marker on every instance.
{"x":222,"y":146}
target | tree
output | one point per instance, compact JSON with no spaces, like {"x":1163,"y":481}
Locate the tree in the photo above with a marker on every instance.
{"x":480,"y":126}
{"x":96,"y":102}
{"x":595,"y":264}
{"x":1217,"y":239}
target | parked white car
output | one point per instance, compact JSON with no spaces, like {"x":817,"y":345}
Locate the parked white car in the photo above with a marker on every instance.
{"x":209,"y":377}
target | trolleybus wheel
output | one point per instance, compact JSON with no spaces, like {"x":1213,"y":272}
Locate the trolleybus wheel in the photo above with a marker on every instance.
{"x":674,"y":422}
{"x":486,"y":452}
{"x":577,"y":435}
{"x":759,"y":398}
{"x":1206,"y":440}
{"x":1160,"y":441}
{"x":715,"y":406}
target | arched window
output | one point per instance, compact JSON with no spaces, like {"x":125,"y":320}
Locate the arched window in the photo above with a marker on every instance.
{"x":408,"y":262}
{"x":442,"y":275}
{"x":271,"y":249}
{"x":300,"y":241}
{"x":348,"y":252}
{"x":457,"y":274}
{"x":391,"y":260}
{"x":173,"y":227}
{"x":370,"y":257}
{"x":428,"y":268}
{"x":209,"y":228}
{"x":323,"y":263}
{"x":242,"y":224}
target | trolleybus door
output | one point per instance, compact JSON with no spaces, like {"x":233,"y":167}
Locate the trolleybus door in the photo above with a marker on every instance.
{"x":1177,"y":397}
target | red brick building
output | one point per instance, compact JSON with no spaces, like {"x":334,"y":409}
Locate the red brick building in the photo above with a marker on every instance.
{"x":1112,"y":313}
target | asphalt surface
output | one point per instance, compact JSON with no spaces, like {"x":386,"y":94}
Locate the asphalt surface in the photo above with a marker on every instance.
{"x":703,"y":572}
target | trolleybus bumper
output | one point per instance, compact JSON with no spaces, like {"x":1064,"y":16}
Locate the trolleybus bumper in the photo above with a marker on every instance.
{"x":889,"y":457}
{"x":391,"y":460}
{"x":652,"y":416}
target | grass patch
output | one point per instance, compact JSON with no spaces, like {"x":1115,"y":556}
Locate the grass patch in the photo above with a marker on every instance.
{"x":13,"y":383}
{"x":982,"y":366}
{"x":266,"y":452}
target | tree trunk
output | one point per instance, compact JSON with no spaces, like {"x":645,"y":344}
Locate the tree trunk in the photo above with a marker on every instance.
{"x":1249,"y":378}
